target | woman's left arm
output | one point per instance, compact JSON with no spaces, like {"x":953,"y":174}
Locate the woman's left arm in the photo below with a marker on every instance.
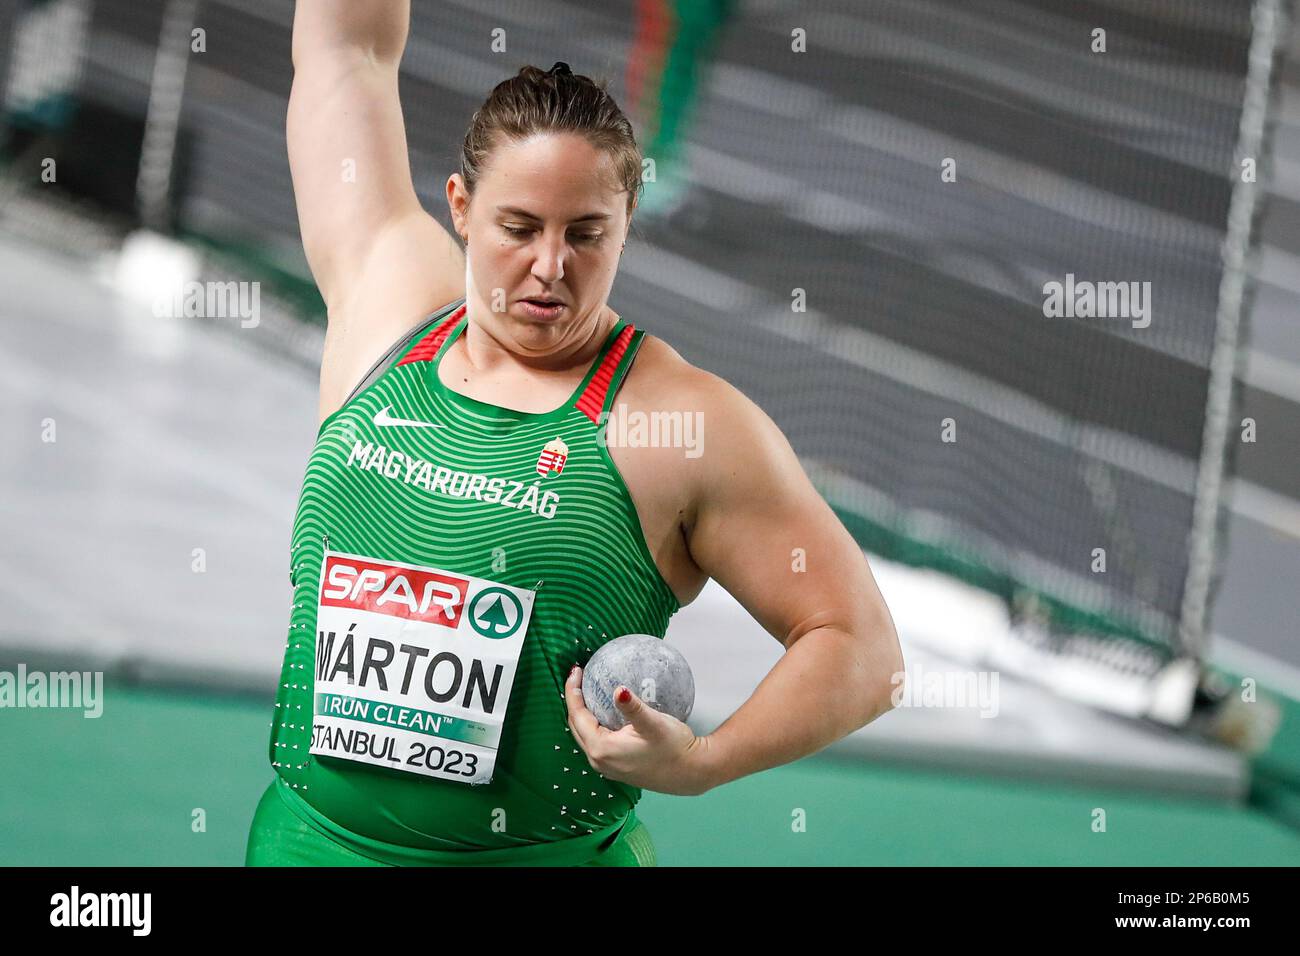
{"x":761,"y":530}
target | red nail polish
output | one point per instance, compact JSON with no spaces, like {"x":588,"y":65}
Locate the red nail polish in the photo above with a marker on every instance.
{"x":624,"y":695}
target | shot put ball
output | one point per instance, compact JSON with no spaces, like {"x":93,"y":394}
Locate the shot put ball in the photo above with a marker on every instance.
{"x":654,"y":671}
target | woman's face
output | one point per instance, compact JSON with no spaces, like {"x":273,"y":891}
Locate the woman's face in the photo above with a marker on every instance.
{"x":546,"y":220}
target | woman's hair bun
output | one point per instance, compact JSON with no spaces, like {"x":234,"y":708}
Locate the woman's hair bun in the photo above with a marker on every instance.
{"x":554,"y":101}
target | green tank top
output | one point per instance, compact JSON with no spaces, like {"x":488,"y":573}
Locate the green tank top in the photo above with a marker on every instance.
{"x":451,"y":561}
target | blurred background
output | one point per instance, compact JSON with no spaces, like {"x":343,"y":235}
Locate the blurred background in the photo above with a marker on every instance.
{"x":855,"y":213}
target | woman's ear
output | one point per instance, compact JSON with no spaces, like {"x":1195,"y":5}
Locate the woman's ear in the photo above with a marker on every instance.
{"x":458,"y":205}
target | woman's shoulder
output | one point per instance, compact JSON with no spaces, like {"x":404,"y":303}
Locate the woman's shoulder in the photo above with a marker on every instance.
{"x":705,"y":411}
{"x":660,"y":374}
{"x":667,"y":382}
{"x":662,"y":379}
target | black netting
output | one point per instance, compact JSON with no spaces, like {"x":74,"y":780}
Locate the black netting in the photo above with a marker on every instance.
{"x":821,"y":171}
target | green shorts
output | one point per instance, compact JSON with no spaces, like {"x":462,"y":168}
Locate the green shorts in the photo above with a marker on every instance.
{"x":280,"y":836}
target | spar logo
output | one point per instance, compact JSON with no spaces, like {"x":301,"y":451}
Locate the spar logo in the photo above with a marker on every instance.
{"x":495,"y":613}
{"x":434,"y":597}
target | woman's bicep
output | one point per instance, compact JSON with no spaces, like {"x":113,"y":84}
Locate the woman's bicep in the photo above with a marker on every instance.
{"x":381,"y":262}
{"x":348,"y":158}
{"x":764,"y":533}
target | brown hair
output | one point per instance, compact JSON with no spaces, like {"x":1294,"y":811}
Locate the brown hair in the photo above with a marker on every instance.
{"x":552,"y":101}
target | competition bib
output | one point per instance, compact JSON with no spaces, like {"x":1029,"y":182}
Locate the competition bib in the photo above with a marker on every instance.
{"x":414,"y":666}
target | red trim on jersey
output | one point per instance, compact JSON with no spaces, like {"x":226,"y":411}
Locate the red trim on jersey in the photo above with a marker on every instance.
{"x":592,"y":399}
{"x":427,"y":348}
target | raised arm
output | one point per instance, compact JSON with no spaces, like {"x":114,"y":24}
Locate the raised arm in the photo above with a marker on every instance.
{"x":380,"y":260}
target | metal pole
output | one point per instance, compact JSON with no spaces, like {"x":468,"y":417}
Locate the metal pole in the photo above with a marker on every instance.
{"x":162,"y":120}
{"x":1268,"y":19}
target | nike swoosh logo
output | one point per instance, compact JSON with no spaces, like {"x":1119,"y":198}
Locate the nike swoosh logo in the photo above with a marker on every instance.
{"x":383,"y":418}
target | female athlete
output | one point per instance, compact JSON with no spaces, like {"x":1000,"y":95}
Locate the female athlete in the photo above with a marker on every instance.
{"x":466,"y":536}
